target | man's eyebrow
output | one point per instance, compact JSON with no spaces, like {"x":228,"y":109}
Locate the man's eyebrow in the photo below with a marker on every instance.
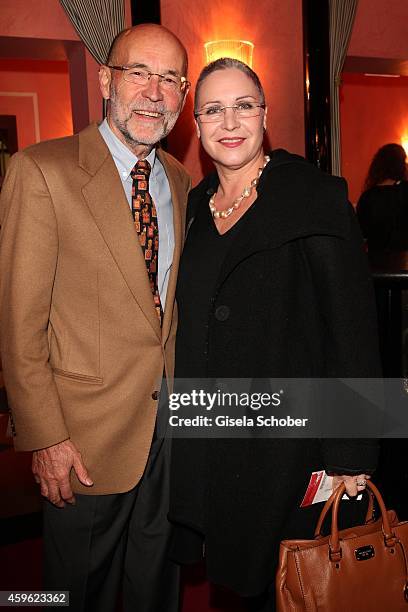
{"x":136,"y":65}
{"x":173,"y":72}
{"x":145,"y":67}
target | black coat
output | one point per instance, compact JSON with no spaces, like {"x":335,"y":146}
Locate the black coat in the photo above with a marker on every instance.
{"x":297,"y":298}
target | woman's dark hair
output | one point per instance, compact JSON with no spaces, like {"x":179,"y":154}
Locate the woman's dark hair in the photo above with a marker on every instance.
{"x":222,"y":64}
{"x":387,"y":163}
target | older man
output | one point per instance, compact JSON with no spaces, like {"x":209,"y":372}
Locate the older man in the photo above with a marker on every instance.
{"x":92,"y":230}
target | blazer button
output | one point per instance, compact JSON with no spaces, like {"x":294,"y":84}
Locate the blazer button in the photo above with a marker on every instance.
{"x":222,"y":313}
{"x":155,"y":395}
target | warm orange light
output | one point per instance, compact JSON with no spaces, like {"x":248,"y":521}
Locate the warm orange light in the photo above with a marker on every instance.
{"x":238,"y":49}
{"x":404,"y":143}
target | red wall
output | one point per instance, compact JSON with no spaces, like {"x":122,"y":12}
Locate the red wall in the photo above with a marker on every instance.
{"x":374,"y":112}
{"x":380,"y":29}
{"x":50,"y":82}
{"x":35,"y":19}
{"x":46,"y":19}
{"x":275,"y":28}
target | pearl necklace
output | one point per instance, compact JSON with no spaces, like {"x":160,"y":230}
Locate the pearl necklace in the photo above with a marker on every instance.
{"x":224,"y":214}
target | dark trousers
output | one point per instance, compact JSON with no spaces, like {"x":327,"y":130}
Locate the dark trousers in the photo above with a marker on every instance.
{"x":103,"y":540}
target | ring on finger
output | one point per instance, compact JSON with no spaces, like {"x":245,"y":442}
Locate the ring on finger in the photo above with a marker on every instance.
{"x":361,"y":483}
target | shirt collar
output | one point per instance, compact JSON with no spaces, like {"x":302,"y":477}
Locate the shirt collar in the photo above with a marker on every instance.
{"x":123,"y":157}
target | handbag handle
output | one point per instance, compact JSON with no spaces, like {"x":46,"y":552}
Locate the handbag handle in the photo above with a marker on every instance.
{"x":369,"y":514}
{"x":334,"y":502}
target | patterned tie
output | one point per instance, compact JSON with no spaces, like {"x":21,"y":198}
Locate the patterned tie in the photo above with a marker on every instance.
{"x":145,"y":220}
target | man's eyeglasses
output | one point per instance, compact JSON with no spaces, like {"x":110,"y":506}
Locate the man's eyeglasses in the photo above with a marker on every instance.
{"x":215,"y":113}
{"x":139,"y":76}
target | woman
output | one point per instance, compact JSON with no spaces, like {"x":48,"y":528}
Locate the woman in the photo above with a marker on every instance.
{"x":383,"y":207}
{"x":273,"y":283}
{"x":382,"y":212}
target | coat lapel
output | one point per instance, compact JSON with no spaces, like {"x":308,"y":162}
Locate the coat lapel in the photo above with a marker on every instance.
{"x":178,"y":197}
{"x":106,"y":200}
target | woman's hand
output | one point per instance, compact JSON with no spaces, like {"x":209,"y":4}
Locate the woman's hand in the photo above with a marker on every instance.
{"x":354,"y":484}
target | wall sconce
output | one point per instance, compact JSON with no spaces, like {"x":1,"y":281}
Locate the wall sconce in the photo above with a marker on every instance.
{"x":404,"y":143}
{"x":237,"y":49}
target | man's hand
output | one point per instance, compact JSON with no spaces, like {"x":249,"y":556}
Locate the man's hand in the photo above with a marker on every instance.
{"x":354,"y":484}
{"x":52,"y":467}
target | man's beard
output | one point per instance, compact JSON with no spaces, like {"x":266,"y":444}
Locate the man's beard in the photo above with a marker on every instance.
{"x":121,"y":118}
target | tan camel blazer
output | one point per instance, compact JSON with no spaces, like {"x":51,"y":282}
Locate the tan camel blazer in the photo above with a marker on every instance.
{"x":82,"y":348}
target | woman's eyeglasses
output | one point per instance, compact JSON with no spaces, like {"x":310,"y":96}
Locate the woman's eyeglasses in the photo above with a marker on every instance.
{"x":213,"y":114}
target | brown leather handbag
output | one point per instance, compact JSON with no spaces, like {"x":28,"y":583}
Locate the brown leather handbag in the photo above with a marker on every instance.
{"x":361,"y":569}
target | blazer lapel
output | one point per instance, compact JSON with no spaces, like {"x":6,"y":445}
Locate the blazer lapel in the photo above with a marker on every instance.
{"x":178,"y":197}
{"x":106,"y":200}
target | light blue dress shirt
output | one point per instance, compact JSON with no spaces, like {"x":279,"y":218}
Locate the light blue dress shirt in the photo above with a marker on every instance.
{"x":159,"y":189}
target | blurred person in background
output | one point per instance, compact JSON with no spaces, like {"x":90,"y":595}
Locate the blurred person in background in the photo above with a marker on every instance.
{"x":382,"y":209}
